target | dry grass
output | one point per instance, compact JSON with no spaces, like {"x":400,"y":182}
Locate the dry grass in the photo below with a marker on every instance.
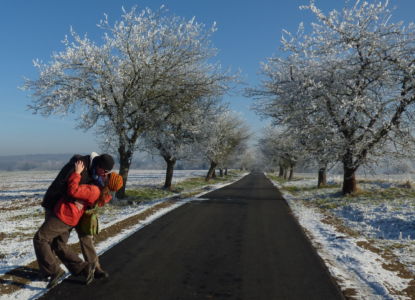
{"x":22,"y":205}
{"x":339,"y":225}
{"x":2,"y":236}
{"x":32,"y":215}
{"x":391,"y":261}
{"x":392,"y":264}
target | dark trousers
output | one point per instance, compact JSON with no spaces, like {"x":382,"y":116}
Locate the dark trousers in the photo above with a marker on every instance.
{"x":88,"y":248}
{"x":85,"y":241}
{"x":46,"y":239}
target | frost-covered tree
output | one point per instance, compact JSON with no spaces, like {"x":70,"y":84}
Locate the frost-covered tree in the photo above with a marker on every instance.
{"x":281,"y":148}
{"x":284,"y":99}
{"x":269,"y":152}
{"x":249,"y":159}
{"x":318,"y":144}
{"x":353,"y":74}
{"x":149,"y":66}
{"x":235,"y":157}
{"x":179,"y":136}
{"x":223,"y":135}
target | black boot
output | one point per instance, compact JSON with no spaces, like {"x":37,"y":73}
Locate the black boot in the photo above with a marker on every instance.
{"x":100,"y":273}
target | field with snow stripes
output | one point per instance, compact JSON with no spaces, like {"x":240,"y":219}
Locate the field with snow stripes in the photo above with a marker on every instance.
{"x":367,"y":240}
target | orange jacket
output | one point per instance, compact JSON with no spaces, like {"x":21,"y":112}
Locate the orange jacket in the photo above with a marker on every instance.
{"x":88,"y":194}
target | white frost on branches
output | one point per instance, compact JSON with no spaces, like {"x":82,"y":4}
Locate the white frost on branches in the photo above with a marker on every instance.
{"x":149,"y":66}
{"x":225,"y":136}
{"x":353,"y":76}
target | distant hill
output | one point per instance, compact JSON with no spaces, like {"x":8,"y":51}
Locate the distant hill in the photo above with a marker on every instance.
{"x":57,"y":161}
{"x":33,"y":162}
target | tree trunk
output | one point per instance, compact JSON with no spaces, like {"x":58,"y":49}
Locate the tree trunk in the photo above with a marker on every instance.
{"x":170,"y":161}
{"x":285,"y":172}
{"x":290,"y":177}
{"x":226,"y":171}
{"x":349,"y":181}
{"x":221,"y":172}
{"x":125,"y":162}
{"x":349,"y":178}
{"x":281,"y":173}
{"x":211,"y":172}
{"x":322,"y":177}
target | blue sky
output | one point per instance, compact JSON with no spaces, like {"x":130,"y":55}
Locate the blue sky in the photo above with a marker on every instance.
{"x":248,"y":32}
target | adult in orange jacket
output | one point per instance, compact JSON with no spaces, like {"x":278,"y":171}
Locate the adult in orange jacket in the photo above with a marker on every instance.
{"x":68,"y":212}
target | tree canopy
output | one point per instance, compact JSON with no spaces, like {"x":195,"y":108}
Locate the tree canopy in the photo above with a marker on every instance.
{"x":150,"y":66}
{"x":353,"y":75}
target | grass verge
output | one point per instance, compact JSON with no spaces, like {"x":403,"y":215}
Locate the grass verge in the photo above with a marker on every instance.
{"x":151,"y":193}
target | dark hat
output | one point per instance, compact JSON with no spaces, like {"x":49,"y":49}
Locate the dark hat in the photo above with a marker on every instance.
{"x":104,"y":161}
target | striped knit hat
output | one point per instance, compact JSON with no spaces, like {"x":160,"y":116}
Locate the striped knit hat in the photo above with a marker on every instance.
{"x":115,"y":181}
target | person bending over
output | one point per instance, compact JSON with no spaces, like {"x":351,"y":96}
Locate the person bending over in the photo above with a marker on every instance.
{"x":67,"y":213}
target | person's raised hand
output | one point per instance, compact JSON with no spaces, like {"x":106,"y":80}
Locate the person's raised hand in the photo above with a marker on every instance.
{"x":79,"y":166}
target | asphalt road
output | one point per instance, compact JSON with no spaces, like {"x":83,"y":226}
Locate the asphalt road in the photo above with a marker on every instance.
{"x":242,"y":243}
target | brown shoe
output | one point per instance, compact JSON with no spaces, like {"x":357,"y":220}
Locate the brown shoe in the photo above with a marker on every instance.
{"x":88,"y":272}
{"x":54,"y":279}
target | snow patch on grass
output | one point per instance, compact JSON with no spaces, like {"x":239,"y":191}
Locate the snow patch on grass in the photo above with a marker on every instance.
{"x":381,"y":219}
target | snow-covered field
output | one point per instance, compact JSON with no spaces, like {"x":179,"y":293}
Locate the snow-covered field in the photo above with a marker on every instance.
{"x":367,"y":241}
{"x":21,"y":213}
{"x":381,"y":219}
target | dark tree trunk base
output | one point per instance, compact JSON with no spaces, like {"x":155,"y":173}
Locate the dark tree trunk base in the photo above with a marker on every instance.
{"x":169,"y":172}
{"x":125,"y":162}
{"x":211,"y":173}
{"x":281,"y":172}
{"x":322,"y":177}
{"x":349,"y":181}
{"x":291,"y":176}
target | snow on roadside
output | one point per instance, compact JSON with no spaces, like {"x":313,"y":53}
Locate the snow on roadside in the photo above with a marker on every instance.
{"x":355,"y":268}
{"x":36,"y":289}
